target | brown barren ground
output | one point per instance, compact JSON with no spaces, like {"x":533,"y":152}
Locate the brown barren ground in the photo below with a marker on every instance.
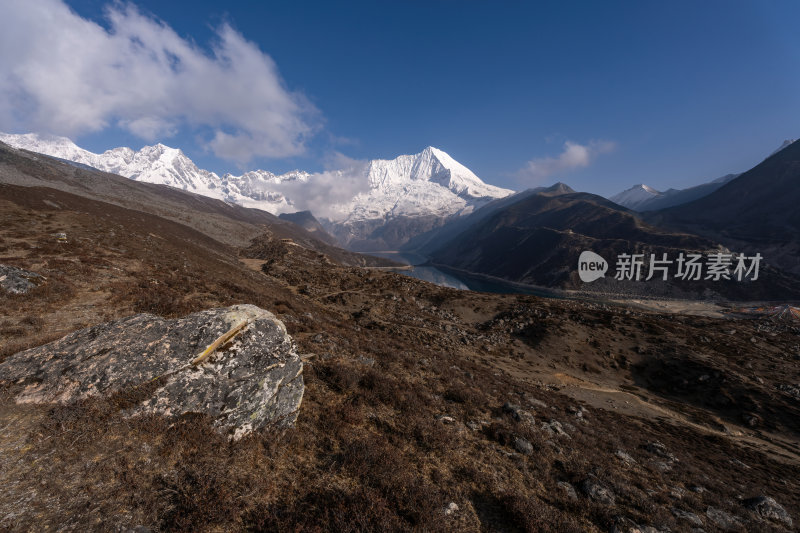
{"x":387,"y":357}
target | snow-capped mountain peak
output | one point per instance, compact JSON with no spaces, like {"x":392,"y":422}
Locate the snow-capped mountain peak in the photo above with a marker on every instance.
{"x":635,"y":196}
{"x":431,"y":165}
{"x":428,"y":183}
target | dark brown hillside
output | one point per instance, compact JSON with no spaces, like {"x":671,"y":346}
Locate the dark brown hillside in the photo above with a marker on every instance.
{"x":538,"y":239}
{"x":526,"y":414}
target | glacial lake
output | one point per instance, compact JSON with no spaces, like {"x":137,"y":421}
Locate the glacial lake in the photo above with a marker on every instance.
{"x":425,"y":273}
{"x":457,"y":280}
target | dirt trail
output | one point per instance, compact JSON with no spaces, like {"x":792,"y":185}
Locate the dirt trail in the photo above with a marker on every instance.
{"x":624,"y":402}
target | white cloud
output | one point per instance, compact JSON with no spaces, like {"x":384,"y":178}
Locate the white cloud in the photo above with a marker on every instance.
{"x":149,"y":127}
{"x":573,"y":156}
{"x":328,"y":194}
{"x":63,"y":74}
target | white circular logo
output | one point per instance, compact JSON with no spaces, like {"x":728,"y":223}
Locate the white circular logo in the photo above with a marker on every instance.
{"x":591,"y":267}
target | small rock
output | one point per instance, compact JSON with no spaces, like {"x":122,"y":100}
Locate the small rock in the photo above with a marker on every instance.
{"x":519,"y":414}
{"x":569,"y":489}
{"x":792,"y":390}
{"x":624,"y":457}
{"x":677,"y":492}
{"x":723,"y":520}
{"x":597,"y":492}
{"x":512,"y":409}
{"x":536,"y":403}
{"x":523,"y":446}
{"x":474,"y":426}
{"x":368,"y":361}
{"x":554,"y":428}
{"x":660,"y":450}
{"x":446,"y":419}
{"x":688,"y":516}
{"x":450,"y":508}
{"x":768,"y":509}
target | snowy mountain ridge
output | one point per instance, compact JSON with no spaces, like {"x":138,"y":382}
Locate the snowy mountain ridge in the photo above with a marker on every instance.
{"x":428,"y":183}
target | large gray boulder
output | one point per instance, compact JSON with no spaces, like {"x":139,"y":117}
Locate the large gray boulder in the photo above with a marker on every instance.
{"x":252,"y":379}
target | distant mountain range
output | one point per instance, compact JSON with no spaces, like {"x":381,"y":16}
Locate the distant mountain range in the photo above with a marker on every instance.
{"x":50,"y":184}
{"x":642,"y":197}
{"x":758,"y":211}
{"x":408,"y":193}
{"x":431,"y":204}
{"x":537,"y":241}
{"x":167,"y":166}
{"x":535,"y":237}
{"x":375,"y":205}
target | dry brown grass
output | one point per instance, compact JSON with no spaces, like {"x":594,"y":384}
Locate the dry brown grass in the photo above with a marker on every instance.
{"x":370,"y":451}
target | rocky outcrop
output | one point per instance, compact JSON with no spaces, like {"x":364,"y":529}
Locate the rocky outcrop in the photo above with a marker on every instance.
{"x":18,"y":281}
{"x":236,"y":364}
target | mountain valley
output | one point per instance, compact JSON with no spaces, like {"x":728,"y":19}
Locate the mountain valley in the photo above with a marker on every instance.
{"x":425,"y":407}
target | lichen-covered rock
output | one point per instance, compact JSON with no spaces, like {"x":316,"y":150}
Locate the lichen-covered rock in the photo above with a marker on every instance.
{"x":251,"y":381}
{"x":768,"y":509}
{"x":18,"y":281}
{"x":723,"y":520}
{"x":597,"y":492}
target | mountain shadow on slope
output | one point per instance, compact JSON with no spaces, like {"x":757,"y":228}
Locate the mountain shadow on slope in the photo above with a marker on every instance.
{"x":307,"y":221}
{"x":426,"y":243}
{"x":756,"y":212}
{"x":538,"y":240}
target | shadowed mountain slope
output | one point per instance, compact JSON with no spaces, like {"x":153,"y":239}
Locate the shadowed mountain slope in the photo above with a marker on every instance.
{"x":758,"y":211}
{"x":538,"y":240}
{"x":228,"y":224}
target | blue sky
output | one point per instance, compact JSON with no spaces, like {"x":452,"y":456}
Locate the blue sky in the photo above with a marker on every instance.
{"x":600,"y":95}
